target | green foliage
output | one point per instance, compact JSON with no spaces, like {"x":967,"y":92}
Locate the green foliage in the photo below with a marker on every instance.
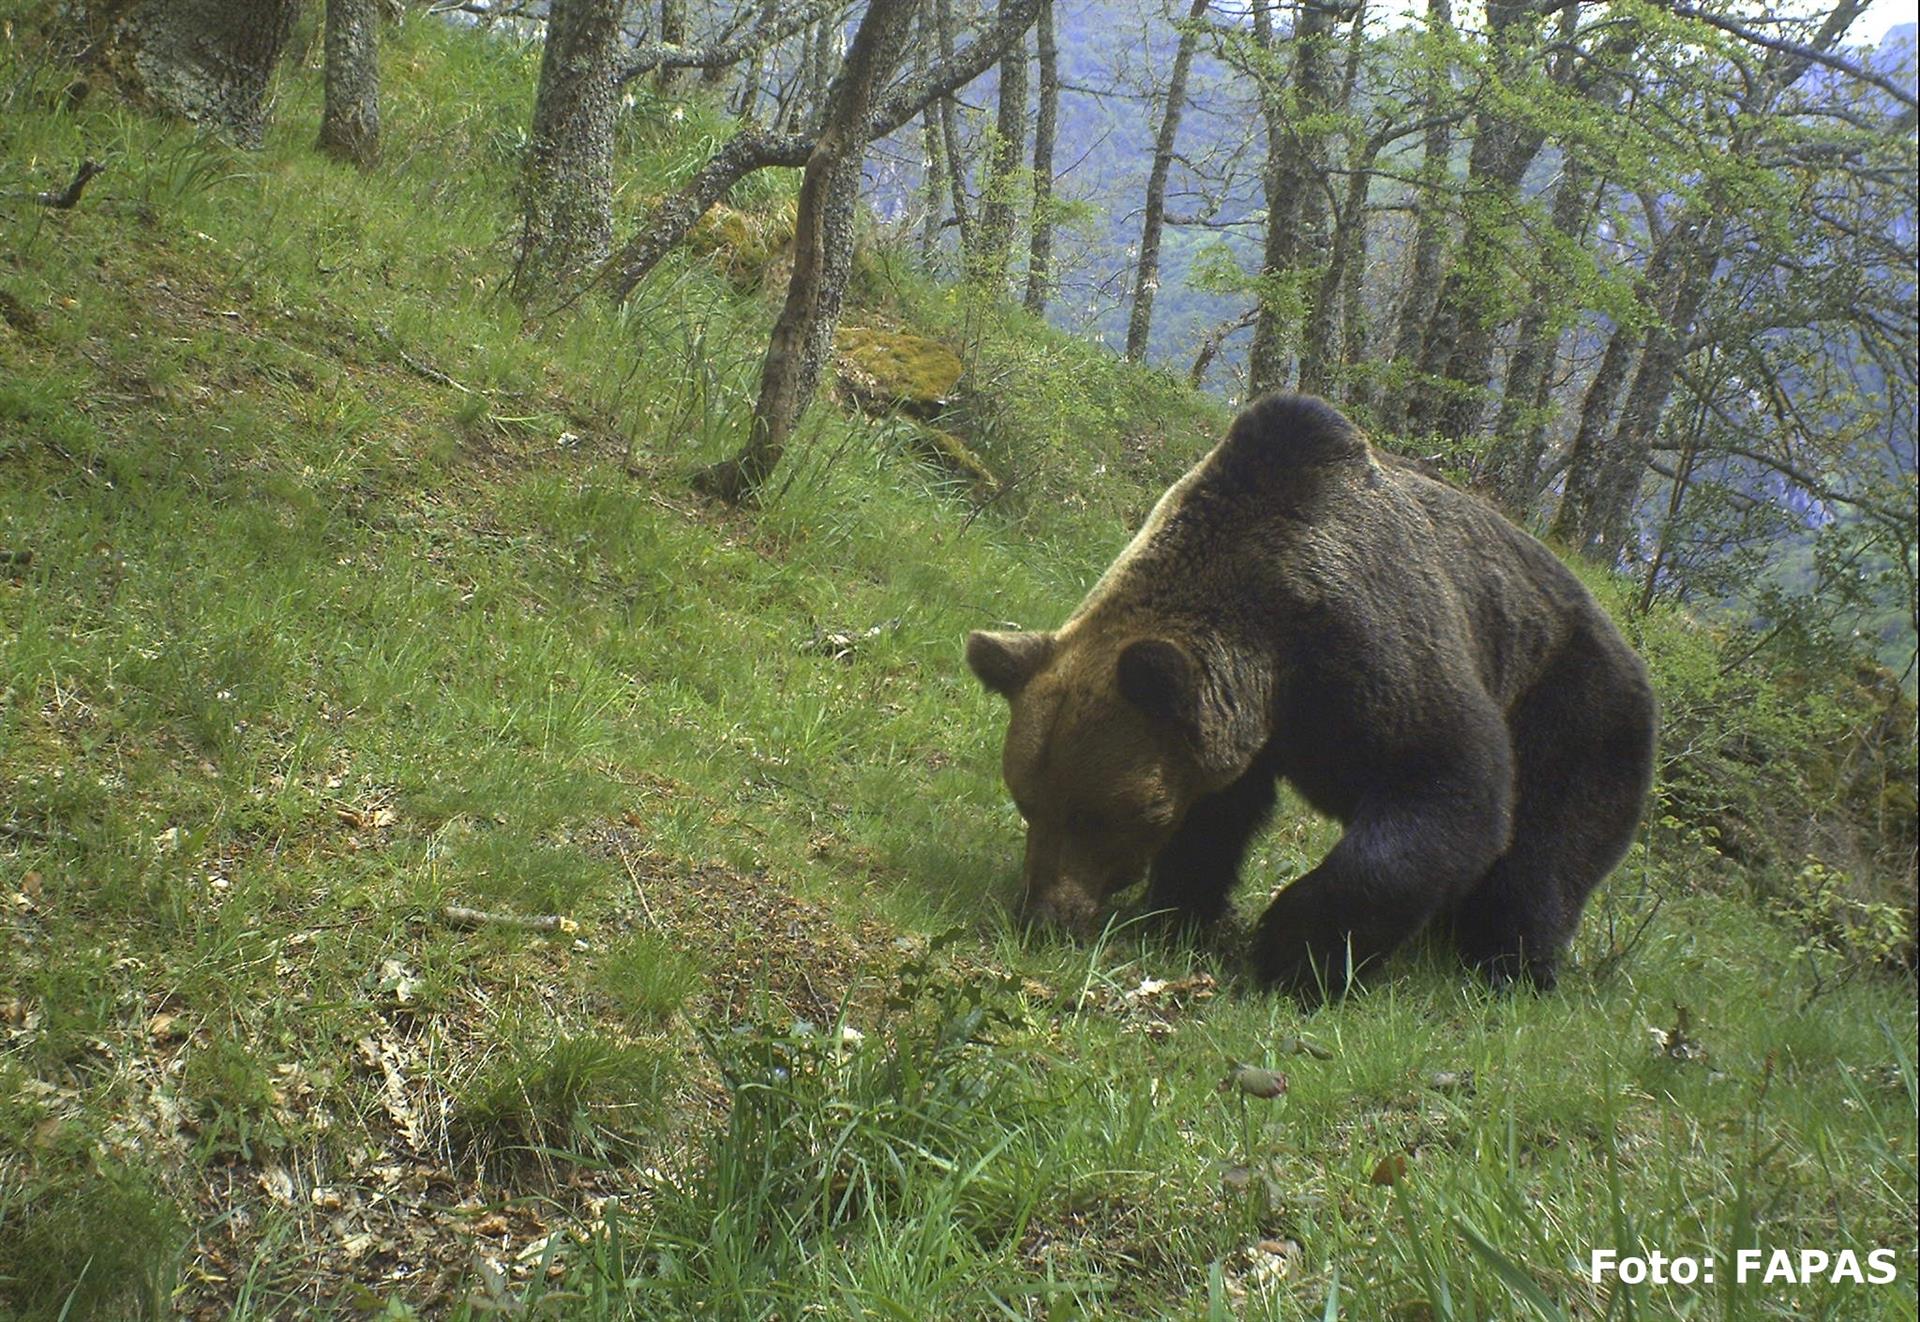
{"x":839,"y":1145}
{"x":551,"y":1094}
{"x":86,"y":1239}
{"x":1841,"y":935}
{"x":646,"y":980}
{"x":1769,"y":765}
{"x":354,"y":595}
{"x":231,"y":1096}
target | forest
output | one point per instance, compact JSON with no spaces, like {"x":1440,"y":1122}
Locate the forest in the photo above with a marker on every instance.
{"x":495,"y":817}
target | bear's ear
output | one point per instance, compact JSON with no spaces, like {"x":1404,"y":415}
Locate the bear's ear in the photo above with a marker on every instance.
{"x":1161,"y":678}
{"x":1005,"y":662}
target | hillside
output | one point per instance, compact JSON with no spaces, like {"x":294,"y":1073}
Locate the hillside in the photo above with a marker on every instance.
{"x":448,"y":869}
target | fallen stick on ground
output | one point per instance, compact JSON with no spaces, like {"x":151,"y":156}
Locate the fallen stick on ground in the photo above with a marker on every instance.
{"x":460,"y":916}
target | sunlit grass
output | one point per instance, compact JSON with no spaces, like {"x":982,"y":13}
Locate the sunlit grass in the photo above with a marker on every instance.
{"x":314,"y":644}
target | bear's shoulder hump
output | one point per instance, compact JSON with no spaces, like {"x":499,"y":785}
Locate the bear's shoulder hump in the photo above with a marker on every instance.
{"x":1280,"y":435}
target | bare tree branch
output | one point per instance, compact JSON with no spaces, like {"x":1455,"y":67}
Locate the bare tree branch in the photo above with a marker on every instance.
{"x":772,"y":29}
{"x":757,"y":148}
{"x":1799,"y":51}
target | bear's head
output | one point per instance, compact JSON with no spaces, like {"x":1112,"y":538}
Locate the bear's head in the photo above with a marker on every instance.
{"x":1109,"y":743}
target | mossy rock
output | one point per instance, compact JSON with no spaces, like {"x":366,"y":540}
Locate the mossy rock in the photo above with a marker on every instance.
{"x":893,"y":372}
{"x":743,"y":244}
{"x":946,"y":451}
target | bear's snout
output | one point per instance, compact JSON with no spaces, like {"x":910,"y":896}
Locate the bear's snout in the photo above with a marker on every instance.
{"x":1063,"y":908}
{"x":1066,"y":882}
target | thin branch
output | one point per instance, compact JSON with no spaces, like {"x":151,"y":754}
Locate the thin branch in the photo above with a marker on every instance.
{"x":1800,"y":51}
{"x":69,"y":197}
{"x":756,"y":148}
{"x":771,"y":31}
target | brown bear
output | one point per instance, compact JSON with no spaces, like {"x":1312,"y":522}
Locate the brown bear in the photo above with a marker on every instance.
{"x":1302,"y":607}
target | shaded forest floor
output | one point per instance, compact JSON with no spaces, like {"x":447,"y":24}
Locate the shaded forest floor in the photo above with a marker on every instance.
{"x":336,"y":593}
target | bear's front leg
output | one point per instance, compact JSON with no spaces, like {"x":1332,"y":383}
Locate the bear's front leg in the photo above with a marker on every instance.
{"x":1195,"y":872}
{"x":1401,"y":861}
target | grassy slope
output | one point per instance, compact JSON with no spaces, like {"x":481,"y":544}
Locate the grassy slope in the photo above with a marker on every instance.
{"x":351,"y":596}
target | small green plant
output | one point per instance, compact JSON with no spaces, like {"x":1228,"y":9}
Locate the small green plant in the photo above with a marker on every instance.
{"x":189,"y":170}
{"x":1840,"y":935}
{"x":231,"y":1098}
{"x":842,"y":1147}
{"x":559,"y":1097}
{"x":95,"y":1240}
{"x":646,"y":979}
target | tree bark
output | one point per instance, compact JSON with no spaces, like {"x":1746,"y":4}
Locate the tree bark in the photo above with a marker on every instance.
{"x":1513,"y":464}
{"x":1146,"y":278}
{"x":822,"y":255}
{"x":998,"y":204}
{"x":950,"y":139}
{"x":1045,"y":131}
{"x":823,"y":54}
{"x":208,"y":61}
{"x":1457,"y":355}
{"x":1456,"y":349}
{"x":1586,"y":457}
{"x":350,"y":119}
{"x":1604,"y":532}
{"x":933,"y":156}
{"x":567,"y":184}
{"x":1296,"y":198}
{"x":755,"y":149}
{"x":1430,"y":212}
{"x":673,"y":32}
{"x":1319,"y":353}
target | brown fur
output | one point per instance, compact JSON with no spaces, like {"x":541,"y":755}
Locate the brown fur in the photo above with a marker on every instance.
{"x":1300,"y":607}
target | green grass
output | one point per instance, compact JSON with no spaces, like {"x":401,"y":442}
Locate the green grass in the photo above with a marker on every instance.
{"x":313,"y":644}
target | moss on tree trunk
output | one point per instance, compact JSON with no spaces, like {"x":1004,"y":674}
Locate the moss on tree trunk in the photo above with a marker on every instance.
{"x":209,"y":61}
{"x":350,"y":121}
{"x":567,"y":188}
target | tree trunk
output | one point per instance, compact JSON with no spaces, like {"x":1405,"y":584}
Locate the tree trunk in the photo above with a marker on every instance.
{"x":1456,"y":348}
{"x":1146,"y":278}
{"x":1358,"y":389}
{"x":999,"y":198}
{"x":1045,"y":130}
{"x":673,"y":32}
{"x":1597,"y":514}
{"x":1430,"y":212}
{"x":350,"y":121}
{"x":1294,"y":183}
{"x":209,"y":61}
{"x":1457,"y":356}
{"x":950,"y":137}
{"x":1585,"y":459}
{"x":933,"y":156}
{"x":756,"y":148}
{"x":1514,"y":462}
{"x":1319,"y":353}
{"x":567,"y":187}
{"x":822,"y":255}
{"x":1676,"y":496}
{"x":1609,"y":516}
{"x":823,"y":54}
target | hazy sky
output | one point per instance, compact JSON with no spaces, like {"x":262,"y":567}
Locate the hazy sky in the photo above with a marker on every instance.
{"x":1884,"y":14}
{"x":1868,"y":29}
